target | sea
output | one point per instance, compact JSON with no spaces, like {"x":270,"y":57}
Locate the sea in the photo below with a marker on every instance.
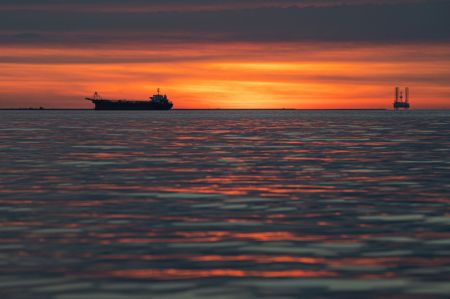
{"x":224,"y":204}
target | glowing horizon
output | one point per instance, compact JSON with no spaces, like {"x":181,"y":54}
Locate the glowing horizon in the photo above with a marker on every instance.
{"x":240,"y":75}
{"x":232,"y":54}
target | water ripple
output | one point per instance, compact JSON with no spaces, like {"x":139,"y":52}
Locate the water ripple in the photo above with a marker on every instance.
{"x":224,"y":204}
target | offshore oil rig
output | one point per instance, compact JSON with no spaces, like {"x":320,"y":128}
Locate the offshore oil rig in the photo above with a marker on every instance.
{"x":400,"y":101}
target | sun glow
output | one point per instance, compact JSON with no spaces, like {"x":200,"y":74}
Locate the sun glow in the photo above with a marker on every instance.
{"x":229,"y":75}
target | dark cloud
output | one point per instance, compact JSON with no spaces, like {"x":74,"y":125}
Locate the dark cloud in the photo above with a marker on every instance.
{"x":177,"y":5}
{"x":426,"y":21}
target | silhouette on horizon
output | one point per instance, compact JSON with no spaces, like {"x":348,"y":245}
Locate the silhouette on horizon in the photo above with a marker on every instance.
{"x":156,"y":102}
{"x":400,"y":101}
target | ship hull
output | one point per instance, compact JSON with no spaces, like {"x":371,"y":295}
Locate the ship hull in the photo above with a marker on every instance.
{"x":129,"y":105}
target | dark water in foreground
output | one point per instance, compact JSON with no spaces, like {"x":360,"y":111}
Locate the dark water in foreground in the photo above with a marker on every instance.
{"x":224,"y":204}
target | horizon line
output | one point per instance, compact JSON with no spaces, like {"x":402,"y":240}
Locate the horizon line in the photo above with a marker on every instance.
{"x":188,"y":109}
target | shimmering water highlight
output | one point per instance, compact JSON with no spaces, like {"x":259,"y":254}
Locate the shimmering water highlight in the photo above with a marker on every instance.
{"x":226,"y":204}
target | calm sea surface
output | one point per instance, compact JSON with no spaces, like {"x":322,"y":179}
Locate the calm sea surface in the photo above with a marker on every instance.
{"x":224,"y":204}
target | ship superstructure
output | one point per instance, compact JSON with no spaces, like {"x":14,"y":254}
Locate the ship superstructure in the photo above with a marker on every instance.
{"x":156,"y":102}
{"x":401,"y":102}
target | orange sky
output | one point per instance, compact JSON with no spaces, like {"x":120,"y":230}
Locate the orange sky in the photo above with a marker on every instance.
{"x":229,"y":75}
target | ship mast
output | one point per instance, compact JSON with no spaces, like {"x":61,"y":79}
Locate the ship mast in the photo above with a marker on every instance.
{"x":97,"y":96}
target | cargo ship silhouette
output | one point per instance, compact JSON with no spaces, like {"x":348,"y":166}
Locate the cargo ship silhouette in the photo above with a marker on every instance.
{"x":156,"y":102}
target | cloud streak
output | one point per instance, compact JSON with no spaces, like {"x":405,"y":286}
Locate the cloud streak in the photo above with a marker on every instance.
{"x":291,"y":76}
{"x":182,"y":5}
{"x":426,"y":22}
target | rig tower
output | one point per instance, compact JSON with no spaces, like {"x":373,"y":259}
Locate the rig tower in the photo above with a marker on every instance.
{"x":400,"y":101}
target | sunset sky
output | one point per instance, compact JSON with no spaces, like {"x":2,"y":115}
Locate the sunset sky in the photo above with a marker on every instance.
{"x":225,"y":54}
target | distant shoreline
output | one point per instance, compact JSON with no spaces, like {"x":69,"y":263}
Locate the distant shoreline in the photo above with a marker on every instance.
{"x":205,"y":109}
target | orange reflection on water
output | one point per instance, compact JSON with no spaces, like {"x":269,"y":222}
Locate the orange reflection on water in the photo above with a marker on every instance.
{"x":202,"y":237}
{"x":110,"y":155}
{"x":285,"y":259}
{"x":276,"y":236}
{"x":90,"y":203}
{"x":201,"y":189}
{"x":254,"y":236}
{"x":389,"y":261}
{"x":164,"y":274}
{"x":258,"y":258}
